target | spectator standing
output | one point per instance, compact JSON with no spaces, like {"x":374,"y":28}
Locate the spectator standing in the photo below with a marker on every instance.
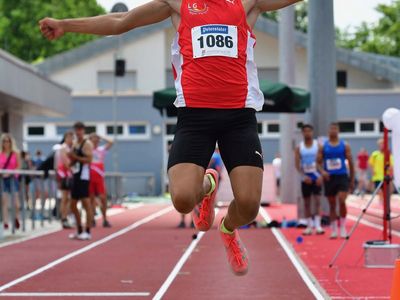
{"x":26,"y":165}
{"x":376,"y":162}
{"x":362,"y":171}
{"x":64,"y":176}
{"x":9,"y":160}
{"x":97,"y":187}
{"x":311,"y":181}
{"x":338,"y":178}
{"x":277,"y":165}
{"x":81,"y":157}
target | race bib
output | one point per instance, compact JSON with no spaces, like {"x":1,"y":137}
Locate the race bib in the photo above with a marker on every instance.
{"x":215,"y":40}
{"x":310,"y":168}
{"x":85,"y":175}
{"x":333,"y":164}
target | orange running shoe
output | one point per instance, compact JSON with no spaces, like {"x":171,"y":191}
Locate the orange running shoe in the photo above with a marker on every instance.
{"x":203,"y":213}
{"x":236,"y":252}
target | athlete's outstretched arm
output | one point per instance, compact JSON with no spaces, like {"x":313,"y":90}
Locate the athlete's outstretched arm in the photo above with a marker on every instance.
{"x":270,"y":5}
{"x":110,"y":24}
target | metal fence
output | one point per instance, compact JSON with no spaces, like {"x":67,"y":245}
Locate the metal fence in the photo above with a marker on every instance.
{"x":44,"y":200}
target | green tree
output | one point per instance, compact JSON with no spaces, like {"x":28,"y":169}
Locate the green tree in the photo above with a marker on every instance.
{"x":301,"y":16}
{"x":381,"y":38}
{"x":19,"y":31}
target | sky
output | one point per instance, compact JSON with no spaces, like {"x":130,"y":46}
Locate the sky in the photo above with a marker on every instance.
{"x":348,"y":13}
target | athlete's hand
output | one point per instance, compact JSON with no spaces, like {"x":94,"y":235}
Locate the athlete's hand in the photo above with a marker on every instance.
{"x":325,"y":175}
{"x":51,"y":28}
{"x":307,"y":180}
{"x":319,"y":181}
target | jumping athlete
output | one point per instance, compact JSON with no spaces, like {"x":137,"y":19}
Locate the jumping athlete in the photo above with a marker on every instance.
{"x":332,"y":165}
{"x":217,"y":97}
{"x":97,"y":187}
{"x":81,"y":157}
{"x":306,"y":163}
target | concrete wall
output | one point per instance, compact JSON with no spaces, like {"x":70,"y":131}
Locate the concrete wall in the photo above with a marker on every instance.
{"x":146,"y":57}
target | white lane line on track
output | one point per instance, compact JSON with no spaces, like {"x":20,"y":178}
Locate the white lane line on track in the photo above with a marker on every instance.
{"x":295,"y":260}
{"x":171,"y":277}
{"x":50,"y":231}
{"x":138,"y":294}
{"x":87,"y":248}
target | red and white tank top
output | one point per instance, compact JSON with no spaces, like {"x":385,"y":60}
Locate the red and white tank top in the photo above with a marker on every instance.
{"x":213,"y":57}
{"x":97,"y":164}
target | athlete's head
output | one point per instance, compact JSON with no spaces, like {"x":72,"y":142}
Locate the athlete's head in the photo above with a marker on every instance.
{"x":68,"y":138}
{"x":308,"y":131}
{"x":79,"y":128}
{"x":95,"y":139}
{"x":381,"y":145}
{"x":334,"y":130}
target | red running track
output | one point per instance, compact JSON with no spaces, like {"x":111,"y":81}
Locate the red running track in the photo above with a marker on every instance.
{"x":348,"y":279}
{"x":137,"y":262}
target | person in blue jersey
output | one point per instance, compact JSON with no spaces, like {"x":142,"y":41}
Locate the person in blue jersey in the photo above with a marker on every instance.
{"x":338,"y":179}
{"x":311,"y":181}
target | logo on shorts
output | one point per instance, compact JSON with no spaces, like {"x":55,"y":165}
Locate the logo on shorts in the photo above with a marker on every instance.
{"x":196,"y":9}
{"x":230,"y":1}
{"x":259,"y":154}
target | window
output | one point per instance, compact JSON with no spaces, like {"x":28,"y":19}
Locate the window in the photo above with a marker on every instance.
{"x":367,"y":127}
{"x":260,"y":128}
{"x":110,"y":130}
{"x":36,"y":130}
{"x":105,"y":81}
{"x":90,"y":129}
{"x":273,"y":128}
{"x":171,"y":129}
{"x":300,"y":125}
{"x":137,"y":129}
{"x":341,"y":77}
{"x":347,"y":127}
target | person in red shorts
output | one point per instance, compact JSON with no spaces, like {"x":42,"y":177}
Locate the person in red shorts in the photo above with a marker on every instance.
{"x":362,"y":171}
{"x":218,"y":95}
{"x":97,"y":183}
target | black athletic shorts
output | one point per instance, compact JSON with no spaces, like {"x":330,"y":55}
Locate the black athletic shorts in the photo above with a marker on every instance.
{"x":65,"y":184}
{"x":310,"y":189}
{"x":80,"y":188}
{"x":199,"y":129}
{"x":336,"y":184}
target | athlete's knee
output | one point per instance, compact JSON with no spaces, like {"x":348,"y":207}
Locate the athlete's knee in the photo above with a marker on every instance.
{"x":185,"y":200}
{"x":248,"y":207}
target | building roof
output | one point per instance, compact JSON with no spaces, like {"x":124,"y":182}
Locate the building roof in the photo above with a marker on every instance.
{"x":24,"y":89}
{"x":380,"y":66}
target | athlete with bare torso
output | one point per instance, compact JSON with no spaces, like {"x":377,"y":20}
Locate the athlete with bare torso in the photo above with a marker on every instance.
{"x":217,"y":97}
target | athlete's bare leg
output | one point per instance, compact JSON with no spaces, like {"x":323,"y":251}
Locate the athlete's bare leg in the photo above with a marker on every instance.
{"x":342,"y":196}
{"x":89,"y":212}
{"x":103,"y":208}
{"x":187,"y":185}
{"x":307,"y":207}
{"x":64,"y":207}
{"x":332,"y":208}
{"x":246,"y":185}
{"x":75,"y":211}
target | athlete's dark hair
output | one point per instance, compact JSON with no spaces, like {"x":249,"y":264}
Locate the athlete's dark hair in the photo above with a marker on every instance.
{"x":334,"y":124}
{"x":79,"y":125}
{"x":305,"y":126}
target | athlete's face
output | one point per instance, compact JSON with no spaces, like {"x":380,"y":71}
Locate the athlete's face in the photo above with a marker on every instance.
{"x":308,"y":133}
{"x":94,"y":140}
{"x":80,"y":133}
{"x":69,"y":139}
{"x":333,"y":131}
